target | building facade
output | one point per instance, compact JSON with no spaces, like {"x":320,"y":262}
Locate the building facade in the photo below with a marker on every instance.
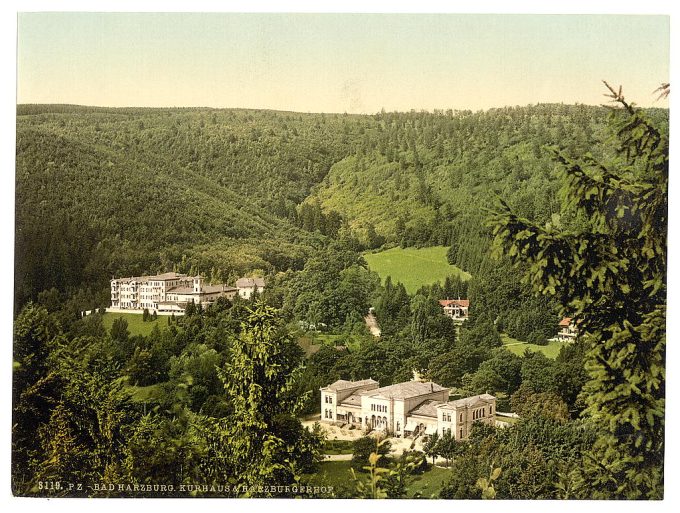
{"x":167,"y":292}
{"x":456,"y":309}
{"x":567,"y":330}
{"x":248,"y":286}
{"x":405,"y":409}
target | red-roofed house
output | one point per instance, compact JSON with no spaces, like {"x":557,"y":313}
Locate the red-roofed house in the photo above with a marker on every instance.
{"x":568,"y":331}
{"x":457,"y":309}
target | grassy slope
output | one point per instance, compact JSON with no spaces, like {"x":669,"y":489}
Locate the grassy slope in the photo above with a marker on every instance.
{"x":369,"y":195}
{"x":551,"y":350}
{"x":413,"y":267}
{"x":312,"y":342}
{"x":426,"y":485}
{"x":429,"y":483}
{"x":135,"y":324}
{"x":143,"y":394}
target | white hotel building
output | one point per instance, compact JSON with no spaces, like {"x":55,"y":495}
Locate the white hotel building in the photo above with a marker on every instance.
{"x":167,"y":292}
{"x":404,"y":409}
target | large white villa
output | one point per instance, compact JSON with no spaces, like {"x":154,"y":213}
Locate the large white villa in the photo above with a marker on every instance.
{"x":404,"y":409}
{"x":456,"y":309}
{"x":170,"y":292}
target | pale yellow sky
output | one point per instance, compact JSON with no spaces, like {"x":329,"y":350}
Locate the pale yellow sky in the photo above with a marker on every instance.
{"x":337,"y":62}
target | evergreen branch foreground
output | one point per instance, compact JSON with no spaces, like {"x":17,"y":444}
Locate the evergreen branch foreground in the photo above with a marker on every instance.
{"x":610,"y":274}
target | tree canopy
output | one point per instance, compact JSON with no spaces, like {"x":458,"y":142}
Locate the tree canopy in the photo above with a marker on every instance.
{"x":607,"y":269}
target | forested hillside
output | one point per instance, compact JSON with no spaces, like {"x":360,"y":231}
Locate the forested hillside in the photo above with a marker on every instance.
{"x":216,"y":396}
{"x":104,"y":192}
{"x":424,"y":179}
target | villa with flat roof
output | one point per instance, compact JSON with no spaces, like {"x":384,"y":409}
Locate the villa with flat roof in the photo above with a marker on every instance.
{"x":405,"y":409}
{"x":168,"y":292}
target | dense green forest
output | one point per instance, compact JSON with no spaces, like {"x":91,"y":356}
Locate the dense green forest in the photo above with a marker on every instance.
{"x":216,"y":396}
{"x":104,"y":192}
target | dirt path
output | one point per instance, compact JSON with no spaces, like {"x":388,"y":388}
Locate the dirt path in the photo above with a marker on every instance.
{"x":372,"y":324}
{"x":337,"y":457}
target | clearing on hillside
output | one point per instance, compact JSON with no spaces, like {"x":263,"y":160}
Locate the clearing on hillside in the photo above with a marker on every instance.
{"x":414,"y":267}
{"x":136,"y":326}
{"x":551,"y":349}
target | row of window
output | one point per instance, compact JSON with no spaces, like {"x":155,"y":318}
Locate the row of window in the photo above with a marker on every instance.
{"x":478,"y":414}
{"x":446,"y":417}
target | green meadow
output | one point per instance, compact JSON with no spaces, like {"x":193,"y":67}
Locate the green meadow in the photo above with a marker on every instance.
{"x":425,"y":485}
{"x":551,"y":350}
{"x":135,"y":324}
{"x":414,"y":267}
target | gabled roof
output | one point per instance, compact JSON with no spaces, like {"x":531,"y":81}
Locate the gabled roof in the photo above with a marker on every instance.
{"x":352,"y":400}
{"x":210,"y":289}
{"x":206,"y":289}
{"x":166,"y":276}
{"x":426,"y":409}
{"x":181,"y":290}
{"x":565,"y":322}
{"x":343,"y":384}
{"x":130,"y":279}
{"x":243,"y":283}
{"x":455,"y":302}
{"x":407,"y":390}
{"x":158,"y":277}
{"x":471,"y":402}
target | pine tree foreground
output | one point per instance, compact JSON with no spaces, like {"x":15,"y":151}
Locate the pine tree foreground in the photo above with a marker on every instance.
{"x":609,"y":272}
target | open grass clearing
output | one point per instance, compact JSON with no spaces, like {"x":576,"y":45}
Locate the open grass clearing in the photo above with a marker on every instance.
{"x":428,"y":484}
{"x":136,"y":326}
{"x":145,"y":394}
{"x":414,"y":267}
{"x":311,"y":342}
{"x":425,"y":485}
{"x":507,"y":420}
{"x":551,"y":350}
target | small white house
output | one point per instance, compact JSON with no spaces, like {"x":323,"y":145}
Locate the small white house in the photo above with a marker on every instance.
{"x":456,"y":309}
{"x":568,"y":330}
{"x":248,"y":286}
